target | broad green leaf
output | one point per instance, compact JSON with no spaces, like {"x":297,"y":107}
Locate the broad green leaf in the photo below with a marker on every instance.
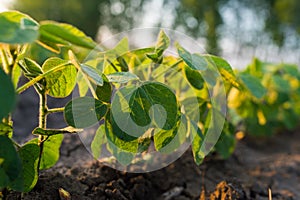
{"x":121,"y":77}
{"x":162,"y":102}
{"x":17,"y":28}
{"x":93,"y":74}
{"x":33,"y":69}
{"x":162,"y":44}
{"x":194,"y":78}
{"x":66,"y":34}
{"x":6,"y":130}
{"x":226,"y":143}
{"x":51,"y":147}
{"x":197,"y":140}
{"x":124,"y":127}
{"x":7,"y":94}
{"x":118,"y":132}
{"x":194,"y":61}
{"x":122,"y":150}
{"x":98,"y":141}
{"x":104,"y":92}
{"x":29,"y":154}
{"x":253,"y":85}
{"x":84,"y":112}
{"x":220,"y":63}
{"x":82,"y":84}
{"x":59,"y":83}
{"x":50,"y":153}
{"x":224,"y":68}
{"x":155,"y":57}
{"x":193,"y":108}
{"x":123,"y":157}
{"x":292,"y":70}
{"x":122,"y":64}
{"x":168,"y":141}
{"x":121,"y":48}
{"x":280,"y":84}
{"x":10,"y":166}
{"x":289,"y":118}
{"x":15,"y":75}
{"x":4,"y":180}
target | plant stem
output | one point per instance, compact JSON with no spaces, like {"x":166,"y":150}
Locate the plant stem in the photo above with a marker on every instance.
{"x":16,"y":144}
{"x":55,"y":110}
{"x":42,"y":122}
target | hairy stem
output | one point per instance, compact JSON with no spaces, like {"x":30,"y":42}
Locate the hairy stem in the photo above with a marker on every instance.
{"x":42,"y":122}
{"x":55,"y":110}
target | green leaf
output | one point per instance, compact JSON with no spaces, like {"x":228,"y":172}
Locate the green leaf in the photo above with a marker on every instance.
{"x":121,"y":77}
{"x":224,"y":68}
{"x":197,"y":139}
{"x":66,"y":34}
{"x":17,"y":28}
{"x":280,"y":84}
{"x":162,"y":44}
{"x":194,"y":61}
{"x":154,"y":57}
{"x":98,"y":141}
{"x":7,"y":94}
{"x":161,"y":100}
{"x":10,"y":166}
{"x":226,"y":143}
{"x":121,"y":121}
{"x":82,"y":84}
{"x":167,"y":141}
{"x":253,"y":85}
{"x":84,"y":112}
{"x":33,"y":69}
{"x":194,"y":78}
{"x":29,"y":154}
{"x":122,"y":150}
{"x":6,"y":130}
{"x":121,"y":48}
{"x":15,"y":75}
{"x":50,"y":154}
{"x":93,"y":74}
{"x":59,"y":83}
{"x":104,"y":92}
{"x":193,"y":108}
{"x":122,"y":64}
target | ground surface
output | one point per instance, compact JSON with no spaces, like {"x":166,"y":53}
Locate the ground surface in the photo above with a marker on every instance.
{"x":256,"y":166}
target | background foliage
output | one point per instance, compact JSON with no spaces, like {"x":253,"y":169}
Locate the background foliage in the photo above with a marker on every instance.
{"x":248,"y":23}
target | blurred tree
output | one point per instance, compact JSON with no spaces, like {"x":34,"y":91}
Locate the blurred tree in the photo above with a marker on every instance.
{"x":198,"y":18}
{"x":281,"y":17}
{"x":83,"y":14}
{"x":87,"y":15}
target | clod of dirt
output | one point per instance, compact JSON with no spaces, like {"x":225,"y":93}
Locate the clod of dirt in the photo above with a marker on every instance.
{"x":228,"y":191}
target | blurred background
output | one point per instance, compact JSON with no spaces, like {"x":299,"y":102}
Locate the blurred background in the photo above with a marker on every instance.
{"x":238,"y":30}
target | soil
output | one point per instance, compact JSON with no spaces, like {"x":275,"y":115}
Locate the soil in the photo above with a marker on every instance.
{"x":260,"y":168}
{"x":257,"y":169}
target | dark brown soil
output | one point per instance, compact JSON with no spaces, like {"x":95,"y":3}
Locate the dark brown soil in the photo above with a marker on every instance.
{"x":258,"y":168}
